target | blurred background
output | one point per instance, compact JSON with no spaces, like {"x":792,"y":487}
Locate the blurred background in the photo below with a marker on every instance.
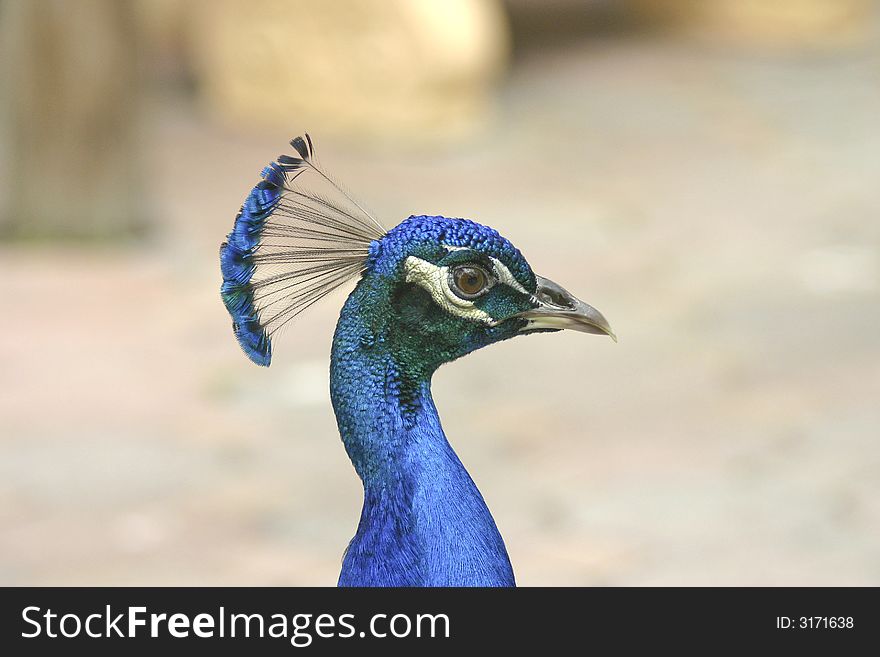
{"x":704,"y":172}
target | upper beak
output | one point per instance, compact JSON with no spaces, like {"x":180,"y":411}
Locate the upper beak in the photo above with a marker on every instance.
{"x":559,"y":309}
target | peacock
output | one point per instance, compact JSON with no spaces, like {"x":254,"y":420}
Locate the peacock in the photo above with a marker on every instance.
{"x":430,"y":290}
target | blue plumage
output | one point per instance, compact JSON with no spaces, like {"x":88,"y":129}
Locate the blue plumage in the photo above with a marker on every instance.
{"x":431,"y":290}
{"x":237,"y":264}
{"x":424,"y":522}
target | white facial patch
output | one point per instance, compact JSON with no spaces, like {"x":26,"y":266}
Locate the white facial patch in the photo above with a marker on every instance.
{"x":435,"y":279}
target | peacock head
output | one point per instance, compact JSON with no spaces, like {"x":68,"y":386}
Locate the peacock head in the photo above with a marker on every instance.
{"x":455,"y":286}
{"x":432,"y":289}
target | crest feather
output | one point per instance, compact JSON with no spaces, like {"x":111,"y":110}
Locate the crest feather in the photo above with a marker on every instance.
{"x":297,"y":237}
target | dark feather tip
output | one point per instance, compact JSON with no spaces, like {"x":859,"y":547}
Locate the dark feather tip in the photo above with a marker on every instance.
{"x":303,"y":146}
{"x":290,"y":163}
{"x":274,"y":174}
{"x":254,"y":341}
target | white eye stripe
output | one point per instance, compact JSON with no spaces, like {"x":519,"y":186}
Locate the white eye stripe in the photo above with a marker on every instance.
{"x":502,"y":273}
{"x":435,"y":280}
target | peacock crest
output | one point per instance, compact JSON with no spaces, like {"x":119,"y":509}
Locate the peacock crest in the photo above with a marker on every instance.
{"x":431,"y":290}
{"x":298,"y":236}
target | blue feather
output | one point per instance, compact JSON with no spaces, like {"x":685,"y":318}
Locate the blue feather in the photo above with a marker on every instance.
{"x":253,"y":340}
{"x":237,"y":266}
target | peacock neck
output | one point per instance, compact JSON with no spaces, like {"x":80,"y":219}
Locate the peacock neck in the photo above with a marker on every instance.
{"x":423,"y":522}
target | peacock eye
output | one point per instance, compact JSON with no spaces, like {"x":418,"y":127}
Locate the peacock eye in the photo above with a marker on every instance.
{"x":469,"y":281}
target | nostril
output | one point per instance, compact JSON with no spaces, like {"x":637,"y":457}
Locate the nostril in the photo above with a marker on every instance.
{"x":555,"y":297}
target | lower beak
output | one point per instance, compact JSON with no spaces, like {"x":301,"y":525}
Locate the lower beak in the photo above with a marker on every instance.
{"x":559,"y":309}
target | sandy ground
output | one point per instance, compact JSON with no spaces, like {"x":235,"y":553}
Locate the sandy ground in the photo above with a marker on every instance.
{"x":722,"y":211}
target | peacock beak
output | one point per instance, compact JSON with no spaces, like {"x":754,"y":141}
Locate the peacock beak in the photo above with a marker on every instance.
{"x":557,"y":308}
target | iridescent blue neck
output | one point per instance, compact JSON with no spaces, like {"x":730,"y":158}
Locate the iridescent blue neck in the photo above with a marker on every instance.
{"x":424,"y":523}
